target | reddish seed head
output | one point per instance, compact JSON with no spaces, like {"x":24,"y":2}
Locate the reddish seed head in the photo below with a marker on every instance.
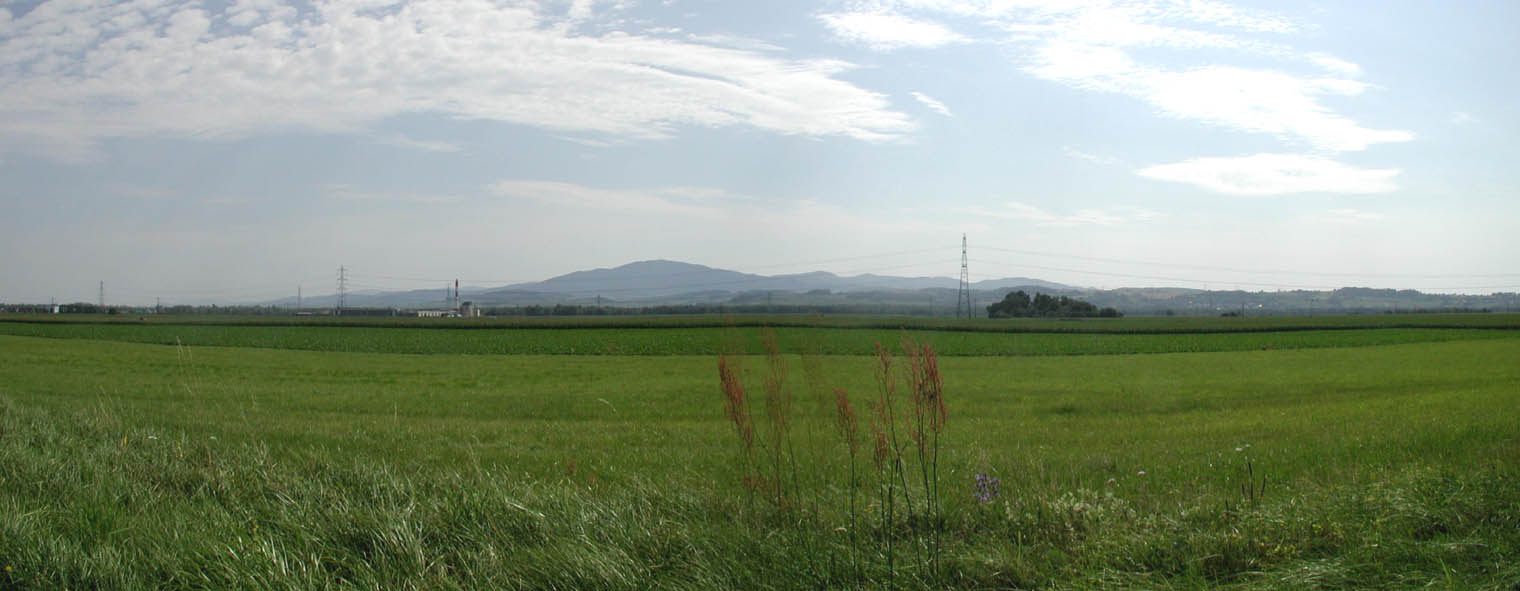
{"x":880,"y":450}
{"x":845,"y":417}
{"x":734,"y":401}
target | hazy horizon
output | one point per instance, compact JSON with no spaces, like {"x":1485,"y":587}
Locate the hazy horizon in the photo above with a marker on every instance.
{"x":232,"y":151}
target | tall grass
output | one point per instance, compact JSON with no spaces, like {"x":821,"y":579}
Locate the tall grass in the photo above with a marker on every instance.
{"x":1391,"y":467}
{"x":847,"y":426}
{"x":903,"y":441}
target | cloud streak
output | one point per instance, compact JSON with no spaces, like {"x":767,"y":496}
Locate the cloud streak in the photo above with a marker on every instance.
{"x":1274,"y":174}
{"x":1024,"y":212}
{"x":887,"y":31}
{"x":933,"y":104}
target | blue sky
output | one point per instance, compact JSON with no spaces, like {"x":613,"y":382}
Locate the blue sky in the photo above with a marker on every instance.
{"x":207,"y":151}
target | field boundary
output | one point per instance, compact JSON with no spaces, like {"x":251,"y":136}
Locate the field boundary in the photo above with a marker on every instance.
{"x":1139,"y":326}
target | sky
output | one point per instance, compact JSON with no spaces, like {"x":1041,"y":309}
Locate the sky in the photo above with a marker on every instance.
{"x":189,"y":151}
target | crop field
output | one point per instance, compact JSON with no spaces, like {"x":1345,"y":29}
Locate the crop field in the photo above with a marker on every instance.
{"x":1296,"y":454}
{"x":973,"y":340}
{"x":1136,"y":324}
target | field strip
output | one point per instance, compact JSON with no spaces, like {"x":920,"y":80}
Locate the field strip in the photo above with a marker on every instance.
{"x":709,"y":341}
{"x":1127,"y":325}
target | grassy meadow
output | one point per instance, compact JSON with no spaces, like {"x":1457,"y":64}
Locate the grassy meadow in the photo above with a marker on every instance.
{"x":1319,"y":454}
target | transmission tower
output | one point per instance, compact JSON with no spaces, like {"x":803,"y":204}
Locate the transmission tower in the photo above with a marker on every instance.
{"x":963,"y":299}
{"x":342,"y":289}
{"x":102,"y":296}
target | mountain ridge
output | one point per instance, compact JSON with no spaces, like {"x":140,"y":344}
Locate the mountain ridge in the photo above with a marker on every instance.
{"x":663,"y":282}
{"x":656,"y":278}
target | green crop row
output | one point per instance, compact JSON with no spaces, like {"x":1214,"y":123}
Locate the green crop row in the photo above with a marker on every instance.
{"x":706,"y":341}
{"x":1135,"y":325}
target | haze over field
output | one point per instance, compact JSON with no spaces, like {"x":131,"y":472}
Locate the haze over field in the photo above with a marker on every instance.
{"x":197,"y":151}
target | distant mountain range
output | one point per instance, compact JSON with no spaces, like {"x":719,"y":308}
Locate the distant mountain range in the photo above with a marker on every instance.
{"x":646,"y":280}
{"x":663,"y":282}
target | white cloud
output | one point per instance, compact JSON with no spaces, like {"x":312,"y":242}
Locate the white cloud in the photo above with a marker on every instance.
{"x":1274,"y":174}
{"x":1259,"y":101}
{"x":1462,"y":118}
{"x":1096,"y":45}
{"x":72,"y":76}
{"x":933,"y":104}
{"x":1264,"y":102}
{"x":886,"y":31}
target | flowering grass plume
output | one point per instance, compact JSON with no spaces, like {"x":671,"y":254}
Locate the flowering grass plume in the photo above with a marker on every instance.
{"x":778,"y":414}
{"x":926,"y":392}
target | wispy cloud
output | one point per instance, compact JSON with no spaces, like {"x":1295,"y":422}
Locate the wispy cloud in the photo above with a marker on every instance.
{"x":1275,"y":174}
{"x":933,"y":104}
{"x":1088,"y":156}
{"x":1334,"y":64}
{"x":1345,"y":216}
{"x":704,"y":209}
{"x":678,"y":200}
{"x":733,"y":42}
{"x":888,"y":31}
{"x":1019,"y":211}
{"x":346,"y":192}
{"x":142,"y":192}
{"x":1462,"y":118}
{"x":74,"y":75}
{"x":401,"y":141}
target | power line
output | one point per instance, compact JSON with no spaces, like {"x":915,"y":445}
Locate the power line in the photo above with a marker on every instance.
{"x":1136,"y":276}
{"x":1245,"y":270}
{"x":1205,"y":282}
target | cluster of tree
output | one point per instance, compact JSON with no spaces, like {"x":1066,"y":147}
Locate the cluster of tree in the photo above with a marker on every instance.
{"x":69,"y":308}
{"x":1018,"y":304}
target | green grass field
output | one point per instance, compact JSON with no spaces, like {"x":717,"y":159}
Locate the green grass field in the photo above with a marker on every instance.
{"x":337,"y":457}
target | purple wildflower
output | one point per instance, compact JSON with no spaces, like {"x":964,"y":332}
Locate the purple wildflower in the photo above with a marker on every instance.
{"x":986,"y":488}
